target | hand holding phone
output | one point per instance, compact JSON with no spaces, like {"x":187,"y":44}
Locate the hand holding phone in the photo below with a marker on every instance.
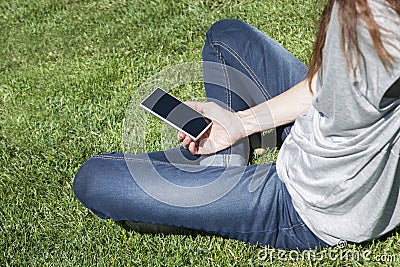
{"x":227,"y":129}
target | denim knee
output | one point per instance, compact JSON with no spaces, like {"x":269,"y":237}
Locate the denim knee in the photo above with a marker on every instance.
{"x":227,"y":29}
{"x":85,"y":188}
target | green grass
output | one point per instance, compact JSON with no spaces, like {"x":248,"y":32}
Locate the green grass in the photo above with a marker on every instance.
{"x":68,"y":70}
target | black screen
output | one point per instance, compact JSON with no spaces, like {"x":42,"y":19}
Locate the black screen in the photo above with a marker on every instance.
{"x":177,"y":113}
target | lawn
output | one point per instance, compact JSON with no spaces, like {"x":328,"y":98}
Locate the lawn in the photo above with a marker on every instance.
{"x":68,"y":71}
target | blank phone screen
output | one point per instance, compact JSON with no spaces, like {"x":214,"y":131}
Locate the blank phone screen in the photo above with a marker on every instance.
{"x":175,"y":112}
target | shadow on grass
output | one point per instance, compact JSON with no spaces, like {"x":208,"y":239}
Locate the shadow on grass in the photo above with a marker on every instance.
{"x":382,"y":239}
{"x":149,"y":228}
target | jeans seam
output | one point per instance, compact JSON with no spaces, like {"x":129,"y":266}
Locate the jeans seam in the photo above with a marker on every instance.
{"x":226,"y":79}
{"x":228,"y":98}
{"x":245,"y":65}
{"x":293,"y":226}
{"x":141,"y":160}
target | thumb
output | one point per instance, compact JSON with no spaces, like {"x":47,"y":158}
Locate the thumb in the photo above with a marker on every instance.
{"x":198,"y":106}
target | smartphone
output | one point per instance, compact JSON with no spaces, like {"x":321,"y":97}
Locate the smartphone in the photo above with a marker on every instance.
{"x":172,"y":111}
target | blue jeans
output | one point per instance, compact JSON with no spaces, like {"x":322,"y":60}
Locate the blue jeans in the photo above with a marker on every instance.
{"x":175,"y":188}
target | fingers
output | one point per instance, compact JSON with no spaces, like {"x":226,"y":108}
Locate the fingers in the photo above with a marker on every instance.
{"x":181,"y":136}
{"x":193,"y":148}
{"x":201,"y":147}
{"x":186,"y":142}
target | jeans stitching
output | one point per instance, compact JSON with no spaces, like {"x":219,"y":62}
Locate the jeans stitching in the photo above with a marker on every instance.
{"x":245,"y":65}
{"x":226,"y":79}
{"x":227,"y":93}
{"x":141,"y":160}
{"x":109,"y":157}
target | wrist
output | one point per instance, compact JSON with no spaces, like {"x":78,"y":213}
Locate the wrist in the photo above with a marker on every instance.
{"x":249,"y":121}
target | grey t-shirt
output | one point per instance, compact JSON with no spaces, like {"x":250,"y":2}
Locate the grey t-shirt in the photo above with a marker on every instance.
{"x":340,"y":162}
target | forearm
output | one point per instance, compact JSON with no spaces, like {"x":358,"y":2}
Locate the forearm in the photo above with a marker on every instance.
{"x":280,"y":110}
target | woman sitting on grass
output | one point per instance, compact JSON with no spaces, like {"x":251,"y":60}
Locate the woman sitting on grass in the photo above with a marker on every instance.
{"x":337,"y":176}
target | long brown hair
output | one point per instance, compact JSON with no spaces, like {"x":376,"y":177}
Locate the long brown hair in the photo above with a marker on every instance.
{"x":349,"y":13}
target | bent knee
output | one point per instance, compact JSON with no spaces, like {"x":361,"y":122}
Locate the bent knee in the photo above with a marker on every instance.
{"x":87,"y":189}
{"x":105,"y":186}
{"x":227,"y":29}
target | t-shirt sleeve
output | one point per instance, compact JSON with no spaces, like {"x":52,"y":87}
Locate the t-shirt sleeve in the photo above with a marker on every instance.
{"x":379,"y":78}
